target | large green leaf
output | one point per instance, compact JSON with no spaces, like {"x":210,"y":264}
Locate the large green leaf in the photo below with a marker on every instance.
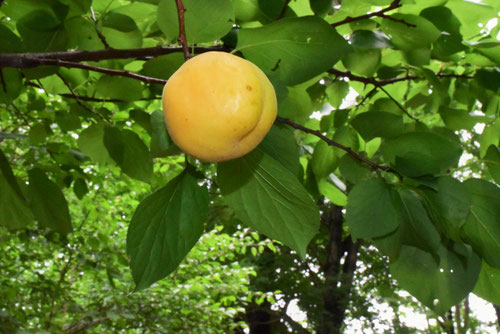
{"x":373,"y":209}
{"x":205,"y":21}
{"x":296,"y":49}
{"x":415,"y":228}
{"x":378,"y":124}
{"x":421,"y":153}
{"x":129,"y":152}
{"x":42,"y":31}
{"x":482,"y":228}
{"x":266,"y":196}
{"x":448,"y":205}
{"x":163,"y":66}
{"x":10,"y":41}
{"x":91,"y":142}
{"x":11,"y":85}
{"x":336,"y":92}
{"x":164,"y":228}
{"x":437,"y":284}
{"x":14,"y":211}
{"x":114,"y":87}
{"x":121,"y":31}
{"x":410,"y":38}
{"x":48,"y":202}
{"x":161,"y":143}
{"x":492,"y":159}
{"x":280,"y":143}
{"x":488,"y":284}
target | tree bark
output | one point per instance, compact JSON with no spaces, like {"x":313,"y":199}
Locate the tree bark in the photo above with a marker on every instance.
{"x":338,"y":278}
{"x":497,"y":310}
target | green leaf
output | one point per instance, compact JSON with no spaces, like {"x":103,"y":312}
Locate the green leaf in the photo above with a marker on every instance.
{"x":417,"y":229}
{"x":320,"y":7}
{"x":324,"y":160}
{"x":410,"y":38}
{"x":164,"y":228}
{"x":363,"y":62}
{"x":457,"y":119}
{"x":447,"y":281}
{"x":492,"y":159}
{"x":129,"y":152}
{"x":11,"y":85}
{"x":161,"y":143}
{"x":421,"y":153}
{"x":91,"y":143}
{"x":489,"y":79}
{"x":280,"y":143}
{"x":332,"y":193}
{"x":114,"y":87}
{"x":285,"y":48}
{"x":205,"y":21}
{"x":121,"y":31}
{"x":14,"y":211}
{"x":374,"y":124}
{"x":41,"y":32}
{"x":482,"y":228}
{"x":11,"y":43}
{"x":367,"y":39}
{"x":48,"y":202}
{"x":373,"y":209}
{"x":448,"y":205}
{"x":336,"y":92}
{"x":353,"y":170}
{"x":268,"y":197}
{"x":80,"y":188}
{"x":488,"y":284}
{"x":163,"y":66}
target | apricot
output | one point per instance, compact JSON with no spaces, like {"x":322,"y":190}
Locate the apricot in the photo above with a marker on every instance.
{"x":218,"y":106}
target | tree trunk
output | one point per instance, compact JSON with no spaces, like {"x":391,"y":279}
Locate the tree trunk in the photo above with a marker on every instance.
{"x":259,"y":320}
{"x":497,"y":310}
{"x":338,"y":278}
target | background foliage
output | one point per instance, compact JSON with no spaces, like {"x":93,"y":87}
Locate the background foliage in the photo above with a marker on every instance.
{"x":381,"y":173}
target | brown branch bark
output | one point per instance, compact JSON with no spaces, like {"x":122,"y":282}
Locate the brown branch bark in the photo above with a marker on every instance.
{"x":104,"y":54}
{"x":182,"y":29}
{"x":338,"y":277}
{"x":330,"y":142}
{"x":381,"y":13}
{"x":35,"y":62}
{"x":283,"y":10}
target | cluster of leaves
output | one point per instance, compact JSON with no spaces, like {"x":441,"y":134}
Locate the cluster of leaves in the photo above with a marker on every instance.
{"x":426,"y":76}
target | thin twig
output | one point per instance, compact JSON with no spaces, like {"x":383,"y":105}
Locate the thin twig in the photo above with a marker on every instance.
{"x":56,"y":62}
{"x":367,"y":96}
{"x":2,"y":81}
{"x":330,"y":142}
{"x":283,"y":10}
{"x":182,"y":29}
{"x":98,"y":32}
{"x":381,"y":13}
{"x":397,"y":103}
{"x":67,"y":84}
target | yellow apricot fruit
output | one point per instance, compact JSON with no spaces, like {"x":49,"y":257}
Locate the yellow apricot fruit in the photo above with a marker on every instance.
{"x":218,"y":106}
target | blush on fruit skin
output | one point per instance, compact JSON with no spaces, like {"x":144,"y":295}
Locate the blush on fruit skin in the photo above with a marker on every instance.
{"x":218,"y":106}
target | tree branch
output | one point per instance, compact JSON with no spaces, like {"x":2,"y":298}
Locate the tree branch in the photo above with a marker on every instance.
{"x":381,"y":13}
{"x":182,"y":29}
{"x":34,"y":62}
{"x":330,"y":142}
{"x":7,"y":59}
{"x":66,"y":83}
{"x":397,"y":103}
{"x":283,"y":10}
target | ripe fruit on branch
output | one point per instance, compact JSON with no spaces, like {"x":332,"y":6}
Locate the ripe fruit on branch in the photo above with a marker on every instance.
{"x":218,"y":106}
